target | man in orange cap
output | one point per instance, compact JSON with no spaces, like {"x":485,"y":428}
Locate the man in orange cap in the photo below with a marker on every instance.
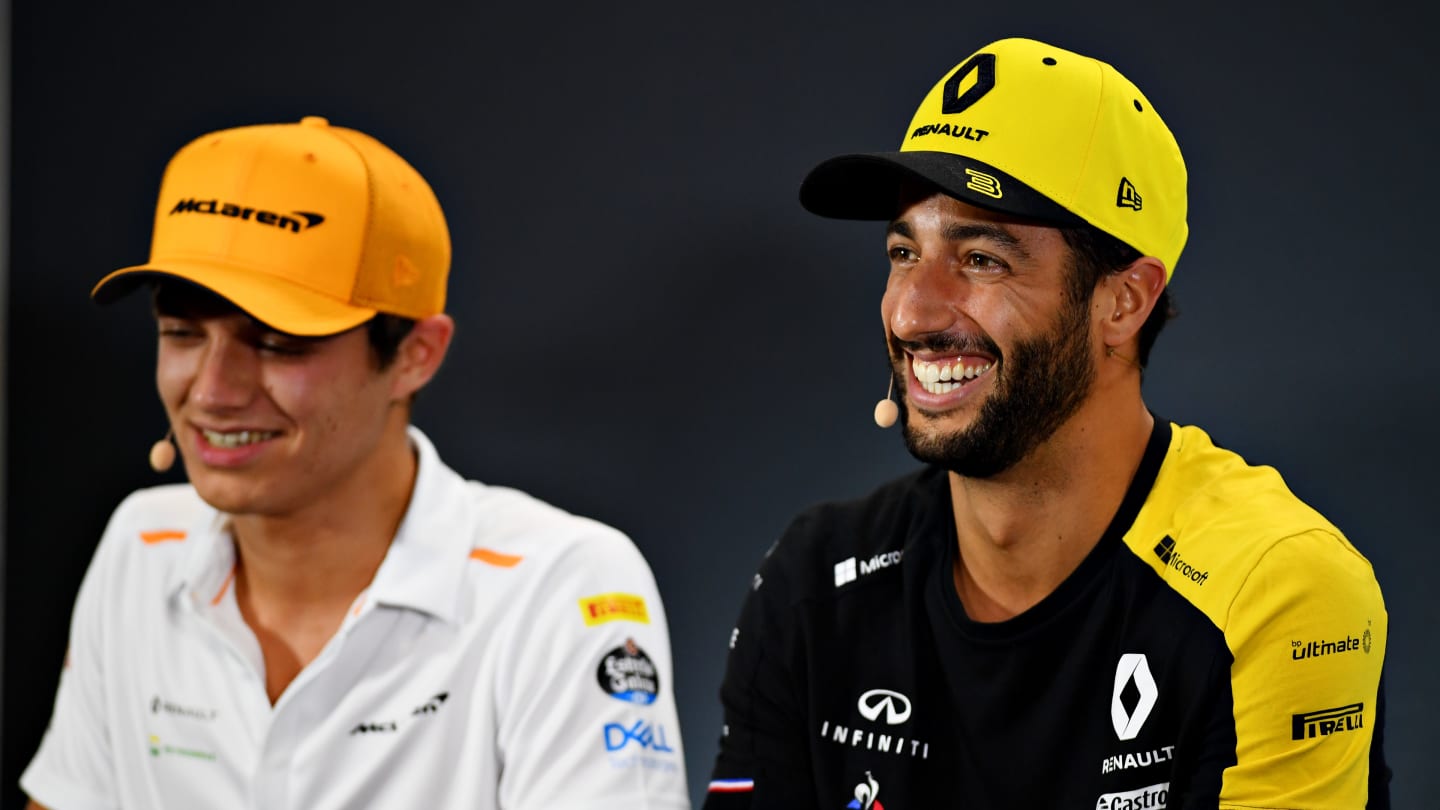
{"x":326,"y":615}
{"x":1076,"y":603}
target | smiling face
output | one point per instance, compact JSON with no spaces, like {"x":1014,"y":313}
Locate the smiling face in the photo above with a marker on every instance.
{"x":990,"y":342}
{"x":269,"y":423}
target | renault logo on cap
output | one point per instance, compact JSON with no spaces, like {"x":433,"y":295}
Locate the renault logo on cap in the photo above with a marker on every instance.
{"x":895,"y":706}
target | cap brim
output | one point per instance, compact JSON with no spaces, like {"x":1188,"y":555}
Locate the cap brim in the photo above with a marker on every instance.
{"x":277,"y":303}
{"x":867,"y":186}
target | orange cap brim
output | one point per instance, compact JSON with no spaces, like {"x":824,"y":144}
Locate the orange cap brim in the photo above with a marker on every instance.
{"x":279,"y":304}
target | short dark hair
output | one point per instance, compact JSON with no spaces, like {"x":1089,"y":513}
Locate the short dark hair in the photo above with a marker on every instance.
{"x":181,"y":298}
{"x":1095,"y":254}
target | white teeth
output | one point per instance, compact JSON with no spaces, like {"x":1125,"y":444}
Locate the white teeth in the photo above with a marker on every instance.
{"x":939,"y":378}
{"x":237,"y":439}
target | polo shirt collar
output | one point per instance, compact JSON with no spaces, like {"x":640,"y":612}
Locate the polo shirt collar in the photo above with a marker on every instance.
{"x":424,"y":569}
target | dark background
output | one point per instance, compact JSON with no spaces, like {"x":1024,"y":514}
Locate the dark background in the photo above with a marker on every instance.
{"x":652,"y":331}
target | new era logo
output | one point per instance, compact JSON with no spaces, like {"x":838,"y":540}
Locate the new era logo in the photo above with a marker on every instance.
{"x":1127,"y":196}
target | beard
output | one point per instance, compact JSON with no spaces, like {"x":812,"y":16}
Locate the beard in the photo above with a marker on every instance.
{"x":1039,"y":384}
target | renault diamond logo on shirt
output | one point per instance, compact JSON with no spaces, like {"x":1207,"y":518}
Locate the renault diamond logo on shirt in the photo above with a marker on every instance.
{"x":895,"y":706}
{"x":1133,"y":667}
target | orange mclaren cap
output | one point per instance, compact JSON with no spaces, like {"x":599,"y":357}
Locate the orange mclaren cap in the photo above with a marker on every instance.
{"x":309,"y":228}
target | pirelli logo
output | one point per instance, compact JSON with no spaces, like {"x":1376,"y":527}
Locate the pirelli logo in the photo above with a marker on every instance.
{"x":1327,"y":721}
{"x":613,"y":607}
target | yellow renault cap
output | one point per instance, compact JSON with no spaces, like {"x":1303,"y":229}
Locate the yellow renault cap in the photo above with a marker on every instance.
{"x":1029,"y":129}
{"x":309,"y":228}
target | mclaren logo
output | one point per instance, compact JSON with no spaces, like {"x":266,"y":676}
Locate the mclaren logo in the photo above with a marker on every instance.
{"x":294,"y":223}
{"x":1133,"y":668}
{"x":895,"y":706}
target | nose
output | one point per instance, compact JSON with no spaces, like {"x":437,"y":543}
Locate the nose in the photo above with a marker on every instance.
{"x":227,"y":375}
{"x":926,"y":299}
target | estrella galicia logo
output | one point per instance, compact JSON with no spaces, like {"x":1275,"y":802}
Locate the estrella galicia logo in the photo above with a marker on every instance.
{"x":1327,"y":721}
{"x":627,"y":673}
{"x":1127,"y":196}
{"x":642,"y":734}
{"x":866,"y":794}
{"x":249,"y":213}
{"x":895,"y":706}
{"x":1132,"y":668}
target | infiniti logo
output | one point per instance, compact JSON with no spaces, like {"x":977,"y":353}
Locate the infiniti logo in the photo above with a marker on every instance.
{"x":895,"y":705}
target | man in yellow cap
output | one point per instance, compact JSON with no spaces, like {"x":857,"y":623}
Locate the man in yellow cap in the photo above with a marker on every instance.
{"x":1075,"y":603}
{"x":326,"y":615}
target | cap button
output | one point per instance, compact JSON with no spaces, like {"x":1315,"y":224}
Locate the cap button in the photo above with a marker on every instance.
{"x":314,"y":121}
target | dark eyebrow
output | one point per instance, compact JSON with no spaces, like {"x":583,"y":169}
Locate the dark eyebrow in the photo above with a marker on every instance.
{"x":959,"y":232}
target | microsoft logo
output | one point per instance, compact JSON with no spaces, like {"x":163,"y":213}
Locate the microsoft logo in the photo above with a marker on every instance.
{"x":1168,"y":554}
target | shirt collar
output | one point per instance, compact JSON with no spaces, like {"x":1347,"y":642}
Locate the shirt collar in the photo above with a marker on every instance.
{"x":424,"y":569}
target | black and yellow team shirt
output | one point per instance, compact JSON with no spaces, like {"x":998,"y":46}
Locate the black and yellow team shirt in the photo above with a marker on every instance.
{"x":1221,"y":646}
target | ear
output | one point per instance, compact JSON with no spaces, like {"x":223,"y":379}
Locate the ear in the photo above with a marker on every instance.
{"x":1130,"y":295}
{"x":420,"y":355}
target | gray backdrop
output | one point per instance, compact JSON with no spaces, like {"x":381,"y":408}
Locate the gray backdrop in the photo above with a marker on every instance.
{"x":654,"y":333}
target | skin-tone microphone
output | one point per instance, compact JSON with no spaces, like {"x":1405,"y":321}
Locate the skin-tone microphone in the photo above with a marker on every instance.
{"x":886,"y":411}
{"x":162,"y":453}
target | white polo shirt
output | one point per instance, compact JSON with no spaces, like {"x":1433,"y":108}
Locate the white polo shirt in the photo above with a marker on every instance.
{"x":506,"y":655}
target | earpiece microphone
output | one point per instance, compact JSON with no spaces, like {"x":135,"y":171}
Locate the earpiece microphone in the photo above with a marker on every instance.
{"x":162,"y":453}
{"x":886,"y":411}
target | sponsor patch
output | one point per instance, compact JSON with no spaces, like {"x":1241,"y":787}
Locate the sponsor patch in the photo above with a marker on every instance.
{"x":1325,"y":722}
{"x":849,"y":569}
{"x":627,"y":673}
{"x":867,"y":795}
{"x":613,"y":607}
{"x":159,"y":749}
{"x":640,"y":734}
{"x":1133,"y":668}
{"x":895,"y":706}
{"x":1168,"y":552}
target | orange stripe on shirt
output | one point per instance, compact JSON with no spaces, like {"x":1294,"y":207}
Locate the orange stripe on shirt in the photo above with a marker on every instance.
{"x":485,"y":555}
{"x":224,"y":586}
{"x":161,"y":535}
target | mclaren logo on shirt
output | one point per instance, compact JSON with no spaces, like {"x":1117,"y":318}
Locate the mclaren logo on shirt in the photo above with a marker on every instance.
{"x":846,"y":571}
{"x":425,"y":709}
{"x":1130,"y":709}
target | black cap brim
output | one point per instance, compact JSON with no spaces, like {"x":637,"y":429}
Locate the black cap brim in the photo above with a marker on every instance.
{"x":867,"y":186}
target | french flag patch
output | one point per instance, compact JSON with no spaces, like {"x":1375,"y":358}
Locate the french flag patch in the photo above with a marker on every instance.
{"x":732,"y":785}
